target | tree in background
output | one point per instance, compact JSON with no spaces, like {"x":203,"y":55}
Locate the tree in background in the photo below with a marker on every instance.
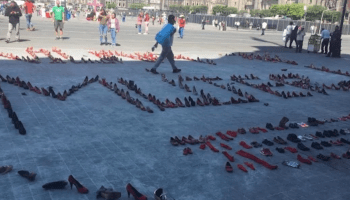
{"x":224,"y":10}
{"x":199,"y":9}
{"x":111,"y":5}
{"x":137,"y":5}
{"x":180,"y":8}
{"x":314,"y":12}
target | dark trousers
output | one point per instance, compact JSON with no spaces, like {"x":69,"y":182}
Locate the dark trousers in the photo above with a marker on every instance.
{"x":299,"y":45}
{"x":203,"y":24}
{"x":291,"y":41}
{"x":166,"y":53}
{"x":324,"y":47}
{"x":287,"y":39}
{"x":262,"y":31}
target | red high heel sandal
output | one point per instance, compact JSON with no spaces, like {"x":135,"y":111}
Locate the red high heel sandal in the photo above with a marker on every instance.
{"x":137,"y":195}
{"x":80,"y":187}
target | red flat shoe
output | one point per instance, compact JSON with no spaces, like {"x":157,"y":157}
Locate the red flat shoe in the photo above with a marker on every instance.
{"x":228,"y":156}
{"x":136,"y":194}
{"x":250,"y":165}
{"x":304,"y":160}
{"x":210,"y":137}
{"x":228,"y":167}
{"x":262,"y":129}
{"x":312,"y":159}
{"x":245,"y":145}
{"x":225,"y":146}
{"x":224,"y":137}
{"x":202,"y":146}
{"x":242,"y":168}
{"x":80,"y":187}
{"x":211,"y":147}
{"x":232,"y":133}
{"x":253,"y":130}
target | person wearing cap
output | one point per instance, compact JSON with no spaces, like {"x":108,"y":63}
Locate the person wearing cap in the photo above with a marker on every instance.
{"x":58,"y":19}
{"x":14,"y":13}
{"x":166,"y":50}
{"x":182,"y":23}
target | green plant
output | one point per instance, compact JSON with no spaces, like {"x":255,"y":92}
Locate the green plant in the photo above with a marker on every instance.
{"x":137,"y":5}
{"x":199,"y":9}
{"x":111,"y":5}
{"x":224,"y":10}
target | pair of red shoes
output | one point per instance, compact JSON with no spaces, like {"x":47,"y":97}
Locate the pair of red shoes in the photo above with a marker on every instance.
{"x":291,"y":149}
{"x":256,"y":130}
{"x":245,"y":145}
{"x":229,"y":168}
{"x":187,"y":151}
{"x":232,"y":133}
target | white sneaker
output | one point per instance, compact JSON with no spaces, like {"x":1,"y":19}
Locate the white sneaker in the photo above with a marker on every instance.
{"x":302,"y":138}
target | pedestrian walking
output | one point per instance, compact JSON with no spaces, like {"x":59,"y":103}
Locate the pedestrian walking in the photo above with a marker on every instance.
{"x":123,"y":17}
{"x":300,"y":39}
{"x":58,"y":19}
{"x":182,"y":23}
{"x":146,"y":19}
{"x":14,"y":13}
{"x":223,"y":25}
{"x":113,"y":25}
{"x":250,"y":25}
{"x":29,"y":8}
{"x":312,"y":29}
{"x":335,"y":43}
{"x":289,"y":30}
{"x":325,"y":35}
{"x":166,"y":49}
{"x":139,"y":23}
{"x":203,"y":23}
{"x":263,"y":27}
{"x":237,"y":24}
{"x":103,"y":28}
{"x":153,"y":18}
{"x":293,"y":36}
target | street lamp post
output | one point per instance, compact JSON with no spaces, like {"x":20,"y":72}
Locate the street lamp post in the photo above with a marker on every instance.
{"x":341,"y":23}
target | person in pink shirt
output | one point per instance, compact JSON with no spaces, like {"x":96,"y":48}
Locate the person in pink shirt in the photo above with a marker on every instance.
{"x":113,"y":26}
{"x":139,"y":22}
{"x":146,"y":19}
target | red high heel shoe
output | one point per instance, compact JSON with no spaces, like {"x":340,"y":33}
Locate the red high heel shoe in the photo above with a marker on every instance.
{"x":80,"y":187}
{"x":137,"y":195}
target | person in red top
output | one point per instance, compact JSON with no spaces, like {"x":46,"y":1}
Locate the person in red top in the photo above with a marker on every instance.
{"x":29,"y":8}
{"x":182,"y":23}
{"x":146,"y":19}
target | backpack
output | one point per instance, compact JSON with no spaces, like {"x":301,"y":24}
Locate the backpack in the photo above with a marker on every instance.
{"x":163,"y":34}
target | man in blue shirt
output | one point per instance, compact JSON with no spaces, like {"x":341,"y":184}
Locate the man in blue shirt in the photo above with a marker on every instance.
{"x":325,"y":35}
{"x":166,"y":50}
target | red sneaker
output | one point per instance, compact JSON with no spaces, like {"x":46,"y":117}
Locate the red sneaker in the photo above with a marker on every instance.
{"x":231,"y":158}
{"x":245,"y":145}
{"x":225,"y":146}
{"x":242,"y":168}
{"x":250,"y":165}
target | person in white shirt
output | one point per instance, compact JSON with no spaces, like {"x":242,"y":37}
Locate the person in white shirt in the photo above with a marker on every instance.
{"x":263,"y":27}
{"x":237,"y":24}
{"x":325,"y":35}
{"x":300,"y":39}
{"x":312,"y":29}
{"x":288,"y":33}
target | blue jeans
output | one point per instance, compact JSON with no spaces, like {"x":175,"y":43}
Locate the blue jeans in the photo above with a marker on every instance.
{"x":113,"y":36}
{"x":103,"y":32}
{"x":123,"y":19}
{"x":166,"y":53}
{"x":29,"y":20}
{"x":181,"y":32}
{"x":139,"y":27}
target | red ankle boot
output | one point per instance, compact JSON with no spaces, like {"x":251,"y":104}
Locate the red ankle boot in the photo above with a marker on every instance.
{"x":80,"y":187}
{"x":137,"y":195}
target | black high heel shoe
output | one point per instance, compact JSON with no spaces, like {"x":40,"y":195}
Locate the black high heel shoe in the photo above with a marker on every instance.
{"x":55,"y":185}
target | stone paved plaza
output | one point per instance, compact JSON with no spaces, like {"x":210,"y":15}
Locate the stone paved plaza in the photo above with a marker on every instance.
{"x":101,"y":139}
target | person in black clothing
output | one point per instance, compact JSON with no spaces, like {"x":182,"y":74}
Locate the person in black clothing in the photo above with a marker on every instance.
{"x":13,"y":12}
{"x":334,"y":49}
{"x":293,"y":36}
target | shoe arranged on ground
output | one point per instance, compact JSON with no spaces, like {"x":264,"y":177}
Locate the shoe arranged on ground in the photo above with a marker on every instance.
{"x":173,"y":141}
{"x":293,"y":138}
{"x":323,"y":157}
{"x":346,"y":155}
{"x":250,"y":165}
{"x":176,"y":70}
{"x":55,"y":185}
{"x":316,"y":145}
{"x":300,"y":137}
{"x":283,"y":122}
{"x":333,"y":155}
{"x":319,"y":134}
{"x":255,"y":144}
{"x":226,"y":146}
{"x":107,"y":193}
{"x":26,"y":174}
{"x":280,"y":150}
{"x":304,"y":160}
{"x":344,"y":141}
{"x":241,"y":167}
{"x":245,"y":145}
{"x":302,"y":147}
{"x":81,"y":189}
{"x":266,"y":152}
{"x":291,"y":164}
{"x":228,"y":167}
{"x":241,"y":131}
{"x":136,"y":194}
{"x":291,"y":149}
{"x":267,"y":142}
{"x":325,"y":144}
{"x":228,"y":156}
{"x":269,"y":126}
{"x":279,"y":140}
{"x":5,"y":169}
{"x":312,"y":159}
